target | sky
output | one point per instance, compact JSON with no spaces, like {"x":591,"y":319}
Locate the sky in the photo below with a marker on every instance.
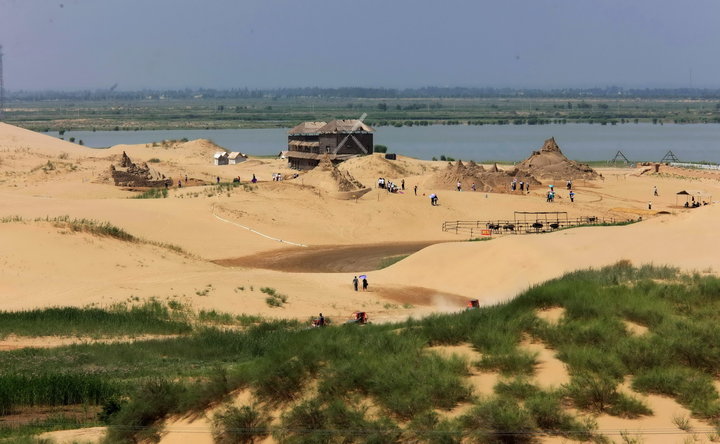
{"x":170,"y":44}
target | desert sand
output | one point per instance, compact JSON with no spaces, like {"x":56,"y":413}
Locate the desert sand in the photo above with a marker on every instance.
{"x":228,"y":237}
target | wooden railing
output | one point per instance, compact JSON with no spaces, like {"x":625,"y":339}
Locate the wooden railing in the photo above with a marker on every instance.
{"x":477,"y":228}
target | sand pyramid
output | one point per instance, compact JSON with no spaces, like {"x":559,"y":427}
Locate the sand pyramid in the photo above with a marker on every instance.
{"x":492,"y":180}
{"x":549,"y":162}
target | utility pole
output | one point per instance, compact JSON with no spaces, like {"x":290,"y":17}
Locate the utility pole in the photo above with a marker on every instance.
{"x":2,"y":88}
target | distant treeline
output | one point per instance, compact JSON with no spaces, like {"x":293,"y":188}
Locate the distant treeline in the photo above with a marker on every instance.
{"x":356,"y":92}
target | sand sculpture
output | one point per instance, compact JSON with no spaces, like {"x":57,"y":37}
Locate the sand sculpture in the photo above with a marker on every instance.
{"x":129,"y":174}
{"x":549,"y":162}
{"x":492,"y":179}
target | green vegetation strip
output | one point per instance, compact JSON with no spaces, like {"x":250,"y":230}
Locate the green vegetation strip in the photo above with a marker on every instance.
{"x":149,"y":318}
{"x":177,"y":112}
{"x":336,"y":370}
{"x":388,"y":261}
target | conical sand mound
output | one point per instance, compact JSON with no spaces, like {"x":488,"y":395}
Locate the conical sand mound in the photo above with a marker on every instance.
{"x":328,"y":177}
{"x":369,"y":168}
{"x":551,"y":163}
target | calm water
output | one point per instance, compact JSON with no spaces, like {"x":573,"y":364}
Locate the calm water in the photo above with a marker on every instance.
{"x":643,"y":141}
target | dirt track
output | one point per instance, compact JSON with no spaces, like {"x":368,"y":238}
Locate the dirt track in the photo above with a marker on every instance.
{"x":327,"y":258}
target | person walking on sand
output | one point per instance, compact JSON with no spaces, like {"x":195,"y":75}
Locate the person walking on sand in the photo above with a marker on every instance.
{"x":655,"y":193}
{"x":459,"y":186}
{"x":415,"y":188}
{"x":365,"y":284}
{"x":355,"y":283}
{"x":432,"y":199}
{"x":402,"y":184}
{"x":572,"y":196}
{"x":473,"y":186}
{"x":649,"y":205}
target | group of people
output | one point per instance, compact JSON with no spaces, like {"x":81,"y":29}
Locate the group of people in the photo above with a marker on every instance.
{"x":694,"y":203}
{"x":521,"y":185}
{"x":472,"y":187}
{"x":550,"y":195}
{"x":360,"y":317}
{"x":276,"y":177}
{"x":356,"y":283}
{"x":390,"y":186}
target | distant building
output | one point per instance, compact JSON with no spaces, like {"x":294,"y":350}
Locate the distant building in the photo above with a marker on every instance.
{"x":339,"y":140}
{"x":220,"y":158}
{"x":235,"y":157}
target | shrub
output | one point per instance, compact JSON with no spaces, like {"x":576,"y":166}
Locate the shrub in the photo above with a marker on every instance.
{"x":691,"y":388}
{"x":592,"y":391}
{"x":274,"y":298}
{"x":136,"y":420}
{"x":549,"y":415}
{"x":500,"y":420}
{"x":511,"y":363}
{"x":243,"y":425}
{"x":519,"y":388}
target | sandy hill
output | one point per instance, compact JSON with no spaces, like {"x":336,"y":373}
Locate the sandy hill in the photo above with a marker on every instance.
{"x":492,"y":179}
{"x":252,"y":220}
{"x":194,"y":152}
{"x":18,"y":140}
{"x":549,"y":162}
{"x":329,"y":178}
{"x":369,"y":168}
{"x":532,"y":259}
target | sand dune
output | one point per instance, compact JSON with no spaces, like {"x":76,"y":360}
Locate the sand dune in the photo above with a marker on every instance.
{"x":272,"y":216}
{"x":45,"y":264}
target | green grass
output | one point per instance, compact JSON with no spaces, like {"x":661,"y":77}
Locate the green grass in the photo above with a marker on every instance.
{"x":388,"y":364}
{"x":153,"y":193}
{"x":388,"y":261}
{"x":274,"y":299}
{"x":149,"y":318}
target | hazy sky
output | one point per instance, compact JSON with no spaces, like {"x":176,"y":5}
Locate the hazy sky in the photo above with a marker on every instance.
{"x":79,"y":44}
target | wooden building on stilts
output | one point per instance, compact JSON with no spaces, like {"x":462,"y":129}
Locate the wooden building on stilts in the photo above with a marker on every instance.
{"x":339,"y":140}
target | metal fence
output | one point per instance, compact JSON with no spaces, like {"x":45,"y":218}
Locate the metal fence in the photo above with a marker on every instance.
{"x":477,"y":228}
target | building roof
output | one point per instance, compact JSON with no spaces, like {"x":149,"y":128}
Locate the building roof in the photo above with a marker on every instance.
{"x":345,"y":126}
{"x":307,"y":128}
{"x":235,"y":155}
{"x":220,"y":154}
{"x":304,"y":143}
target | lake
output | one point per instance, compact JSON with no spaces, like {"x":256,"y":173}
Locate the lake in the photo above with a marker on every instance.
{"x":642,"y":141}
